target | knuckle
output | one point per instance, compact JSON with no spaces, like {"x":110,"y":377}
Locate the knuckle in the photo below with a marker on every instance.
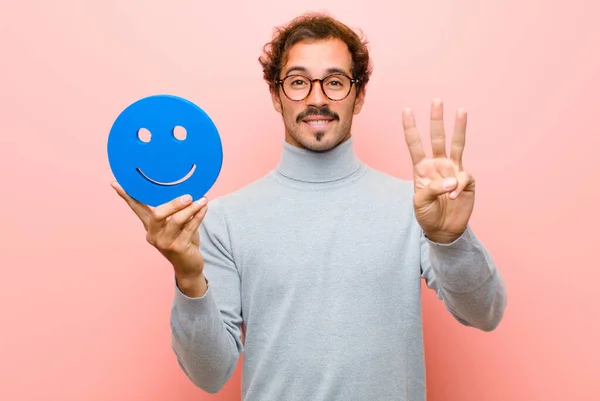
{"x":151,"y":238}
{"x":163,"y":245}
{"x":177,"y":247}
{"x":158,"y":241}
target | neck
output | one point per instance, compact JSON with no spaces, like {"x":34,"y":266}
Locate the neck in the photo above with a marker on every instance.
{"x":309,"y":166}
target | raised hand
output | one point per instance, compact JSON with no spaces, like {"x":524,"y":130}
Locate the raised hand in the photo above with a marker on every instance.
{"x":444,"y":192}
{"x":172,"y":228}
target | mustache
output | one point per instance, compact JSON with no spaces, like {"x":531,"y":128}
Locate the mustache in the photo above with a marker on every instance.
{"x":314,"y":111}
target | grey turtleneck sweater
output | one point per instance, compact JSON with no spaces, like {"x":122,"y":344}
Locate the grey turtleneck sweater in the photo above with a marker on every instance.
{"x":315,"y":272}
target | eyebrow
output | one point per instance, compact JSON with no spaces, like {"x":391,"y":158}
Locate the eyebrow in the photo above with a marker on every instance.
{"x":331,"y":70}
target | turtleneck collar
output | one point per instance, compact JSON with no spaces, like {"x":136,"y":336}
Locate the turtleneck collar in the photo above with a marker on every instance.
{"x":309,"y":166}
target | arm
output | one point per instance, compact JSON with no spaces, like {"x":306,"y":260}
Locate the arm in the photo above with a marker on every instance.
{"x":453,"y":261}
{"x":206,"y":312}
{"x":206,"y":330}
{"x":465,"y":277}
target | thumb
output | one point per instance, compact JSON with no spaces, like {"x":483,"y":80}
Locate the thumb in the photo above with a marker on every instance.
{"x":436,"y":188}
{"x":140,"y":209}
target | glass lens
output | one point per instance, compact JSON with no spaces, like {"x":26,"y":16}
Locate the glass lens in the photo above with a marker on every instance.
{"x":296,"y":87}
{"x":336,"y":86}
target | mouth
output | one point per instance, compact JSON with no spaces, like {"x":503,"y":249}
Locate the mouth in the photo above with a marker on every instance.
{"x":179,"y":181}
{"x":318,"y":122}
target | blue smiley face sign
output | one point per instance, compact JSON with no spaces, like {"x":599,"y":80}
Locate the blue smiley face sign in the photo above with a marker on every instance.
{"x":162,"y":147}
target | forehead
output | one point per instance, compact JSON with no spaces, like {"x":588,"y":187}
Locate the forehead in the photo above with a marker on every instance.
{"x":317,"y":58}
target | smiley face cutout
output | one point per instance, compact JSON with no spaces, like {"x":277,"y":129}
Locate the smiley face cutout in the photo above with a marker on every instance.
{"x":162,"y":147}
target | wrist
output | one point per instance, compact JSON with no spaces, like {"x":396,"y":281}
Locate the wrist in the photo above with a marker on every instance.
{"x":193,"y":286}
{"x":442,"y":238}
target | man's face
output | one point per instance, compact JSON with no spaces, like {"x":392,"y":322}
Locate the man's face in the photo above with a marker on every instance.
{"x":318,"y":123}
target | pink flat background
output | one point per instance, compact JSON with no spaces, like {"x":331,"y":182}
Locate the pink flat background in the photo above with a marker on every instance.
{"x":85,"y":300}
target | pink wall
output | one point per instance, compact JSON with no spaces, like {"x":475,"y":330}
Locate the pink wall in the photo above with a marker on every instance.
{"x":85,"y":300}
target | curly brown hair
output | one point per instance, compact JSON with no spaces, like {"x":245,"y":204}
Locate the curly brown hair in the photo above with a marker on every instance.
{"x":314,"y":26}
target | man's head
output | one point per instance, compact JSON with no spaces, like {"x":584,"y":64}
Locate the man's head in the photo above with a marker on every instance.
{"x":311,"y":47}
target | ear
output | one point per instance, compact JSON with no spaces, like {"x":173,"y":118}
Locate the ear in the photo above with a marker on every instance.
{"x":360,"y":100}
{"x":276,"y":100}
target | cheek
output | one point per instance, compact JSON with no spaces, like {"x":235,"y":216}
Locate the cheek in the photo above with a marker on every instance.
{"x":347,"y":111}
{"x":290,"y":111}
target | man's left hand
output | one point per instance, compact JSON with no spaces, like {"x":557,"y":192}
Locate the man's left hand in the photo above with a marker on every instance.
{"x":444,"y":192}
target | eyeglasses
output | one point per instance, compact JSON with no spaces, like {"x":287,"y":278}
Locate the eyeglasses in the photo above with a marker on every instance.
{"x":335,"y":86}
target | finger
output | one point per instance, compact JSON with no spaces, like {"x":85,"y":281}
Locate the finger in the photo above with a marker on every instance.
{"x":458,"y":138}
{"x":465,"y":182}
{"x":162,"y":212}
{"x":411,"y":135}
{"x":435,"y":188}
{"x":192,"y":226}
{"x":141,"y":210}
{"x":177,"y":222}
{"x":438,"y":136}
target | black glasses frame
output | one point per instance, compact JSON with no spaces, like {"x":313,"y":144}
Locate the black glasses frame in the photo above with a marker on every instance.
{"x":353,"y":81}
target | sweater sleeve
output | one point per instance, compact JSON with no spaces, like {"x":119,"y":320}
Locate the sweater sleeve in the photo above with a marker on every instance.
{"x":206,"y":331}
{"x":466,"y":279}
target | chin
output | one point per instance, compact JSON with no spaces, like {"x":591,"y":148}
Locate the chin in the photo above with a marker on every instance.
{"x":319,"y":141}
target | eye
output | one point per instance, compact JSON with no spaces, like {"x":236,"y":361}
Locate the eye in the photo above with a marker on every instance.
{"x":180,"y":133}
{"x":144,"y":135}
{"x":335,"y":82}
{"x":296,"y":81}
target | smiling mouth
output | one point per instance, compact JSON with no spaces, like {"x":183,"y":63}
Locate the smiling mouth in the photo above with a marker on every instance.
{"x":179,"y":181}
{"x":318,"y":123}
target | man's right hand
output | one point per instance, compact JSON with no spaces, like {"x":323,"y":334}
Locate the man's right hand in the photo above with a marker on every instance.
{"x":172,"y":228}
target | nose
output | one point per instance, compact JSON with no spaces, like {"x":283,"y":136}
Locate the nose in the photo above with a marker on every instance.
{"x":316,"y":97}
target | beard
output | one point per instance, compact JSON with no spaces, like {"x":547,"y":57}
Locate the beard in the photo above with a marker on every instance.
{"x":320,"y":140}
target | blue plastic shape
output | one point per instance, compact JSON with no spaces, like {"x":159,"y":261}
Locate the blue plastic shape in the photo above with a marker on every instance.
{"x":162,"y":147}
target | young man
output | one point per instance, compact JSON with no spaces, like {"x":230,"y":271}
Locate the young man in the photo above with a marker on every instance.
{"x":314,"y":270}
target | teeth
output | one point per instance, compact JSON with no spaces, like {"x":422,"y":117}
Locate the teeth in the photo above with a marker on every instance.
{"x":315,"y":122}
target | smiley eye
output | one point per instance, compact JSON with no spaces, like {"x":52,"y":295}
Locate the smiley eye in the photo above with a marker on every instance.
{"x":180,"y":132}
{"x":144,"y":135}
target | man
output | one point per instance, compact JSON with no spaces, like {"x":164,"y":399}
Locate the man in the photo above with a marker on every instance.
{"x":314,"y":270}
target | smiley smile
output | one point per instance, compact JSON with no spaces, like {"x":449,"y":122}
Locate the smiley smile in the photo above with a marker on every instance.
{"x":188,"y":175}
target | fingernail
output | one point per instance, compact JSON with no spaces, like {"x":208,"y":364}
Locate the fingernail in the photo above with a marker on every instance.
{"x":449,"y":182}
{"x":202,"y":201}
{"x":185,"y":199}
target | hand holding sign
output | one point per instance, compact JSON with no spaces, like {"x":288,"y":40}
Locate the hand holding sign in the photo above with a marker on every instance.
{"x":166,"y":153}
